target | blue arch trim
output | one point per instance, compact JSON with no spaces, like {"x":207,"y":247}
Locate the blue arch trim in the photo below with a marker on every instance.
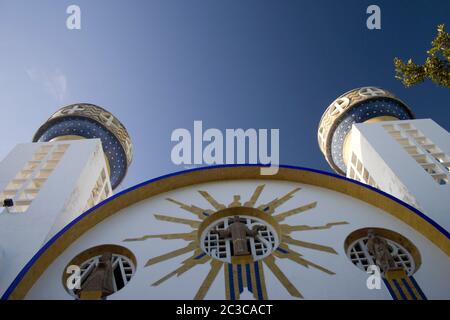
{"x":30,"y":263}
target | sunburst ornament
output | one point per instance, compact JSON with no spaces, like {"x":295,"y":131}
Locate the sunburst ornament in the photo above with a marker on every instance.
{"x":240,"y":238}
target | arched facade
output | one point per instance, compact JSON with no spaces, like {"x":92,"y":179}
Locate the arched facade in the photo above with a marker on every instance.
{"x":163,"y":222}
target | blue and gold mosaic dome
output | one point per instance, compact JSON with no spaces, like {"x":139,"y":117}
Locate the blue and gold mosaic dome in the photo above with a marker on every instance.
{"x":90,"y":121}
{"x":356,"y":106}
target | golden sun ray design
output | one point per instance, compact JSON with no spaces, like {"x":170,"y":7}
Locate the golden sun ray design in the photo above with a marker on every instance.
{"x":240,"y":272}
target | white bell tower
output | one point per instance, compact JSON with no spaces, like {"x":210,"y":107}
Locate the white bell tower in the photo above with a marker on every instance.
{"x":76,"y":160}
{"x":371,"y":136}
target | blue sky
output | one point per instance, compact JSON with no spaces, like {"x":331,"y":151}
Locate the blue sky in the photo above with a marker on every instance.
{"x":160,"y":65}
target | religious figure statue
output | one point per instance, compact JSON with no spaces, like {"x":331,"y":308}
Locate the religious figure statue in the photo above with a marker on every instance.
{"x":101,"y":278}
{"x":379,"y":249}
{"x":238,"y":232}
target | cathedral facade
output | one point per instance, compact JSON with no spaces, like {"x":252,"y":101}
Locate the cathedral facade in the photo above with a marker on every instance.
{"x":377,"y":228}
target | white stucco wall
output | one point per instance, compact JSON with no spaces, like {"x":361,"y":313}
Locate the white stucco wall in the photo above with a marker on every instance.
{"x":397,"y":173}
{"x":62,"y":197}
{"x":349,"y":282}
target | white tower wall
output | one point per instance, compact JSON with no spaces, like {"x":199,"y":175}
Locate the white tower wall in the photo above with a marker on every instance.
{"x":409,"y":159}
{"x":51,"y":184}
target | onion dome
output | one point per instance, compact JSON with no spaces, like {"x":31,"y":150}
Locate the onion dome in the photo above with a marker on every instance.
{"x":88,"y":121}
{"x":367,"y":104}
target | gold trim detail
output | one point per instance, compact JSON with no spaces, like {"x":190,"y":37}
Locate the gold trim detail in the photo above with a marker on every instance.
{"x":204,"y":288}
{"x":242,"y":259}
{"x":255,"y":196}
{"x":191,"y":223}
{"x":288,"y":229}
{"x":296,"y":257}
{"x":399,"y":280}
{"x":280,"y":217}
{"x":270,"y":263}
{"x":199,"y":212}
{"x":186,"y":265}
{"x":191,"y":246}
{"x":308,"y":245}
{"x":212,"y":201}
{"x":272,"y":205}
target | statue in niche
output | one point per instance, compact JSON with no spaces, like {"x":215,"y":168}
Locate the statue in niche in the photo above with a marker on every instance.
{"x":379,"y":249}
{"x":101,"y":278}
{"x":238,"y":232}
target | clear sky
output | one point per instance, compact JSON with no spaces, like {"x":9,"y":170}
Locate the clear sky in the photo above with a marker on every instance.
{"x":160,"y":65}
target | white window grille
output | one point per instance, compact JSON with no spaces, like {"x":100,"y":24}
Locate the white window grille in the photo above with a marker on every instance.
{"x":27,"y":183}
{"x":260,"y":246}
{"x":358,"y":172}
{"x":100,"y":191}
{"x":428,"y":155}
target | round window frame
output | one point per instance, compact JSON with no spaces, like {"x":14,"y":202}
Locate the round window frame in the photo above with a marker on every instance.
{"x":255,"y":221}
{"x":96,"y":251}
{"x":247,"y":212}
{"x":390,"y":235}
